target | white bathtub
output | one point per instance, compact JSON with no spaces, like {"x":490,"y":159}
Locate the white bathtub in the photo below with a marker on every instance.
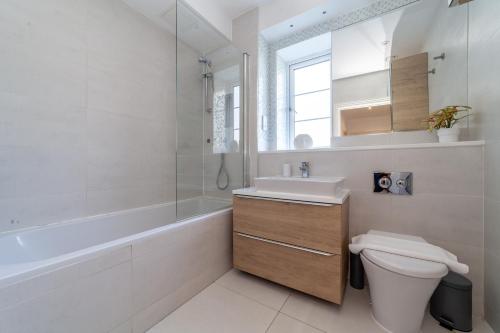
{"x":168,"y":262}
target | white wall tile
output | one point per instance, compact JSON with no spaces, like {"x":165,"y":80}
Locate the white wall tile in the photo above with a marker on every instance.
{"x":88,"y":104}
{"x":447,"y":205}
{"x":484,"y":44}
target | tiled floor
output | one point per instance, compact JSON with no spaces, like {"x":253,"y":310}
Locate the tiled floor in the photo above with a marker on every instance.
{"x":241,"y":303}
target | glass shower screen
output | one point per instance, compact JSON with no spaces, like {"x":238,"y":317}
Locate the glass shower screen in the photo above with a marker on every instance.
{"x":210,"y":122}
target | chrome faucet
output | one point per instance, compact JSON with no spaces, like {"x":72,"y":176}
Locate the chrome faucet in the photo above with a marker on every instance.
{"x":305,"y":169}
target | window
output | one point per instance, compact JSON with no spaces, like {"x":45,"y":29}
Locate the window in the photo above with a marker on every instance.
{"x":236,"y":113}
{"x":310,"y":100}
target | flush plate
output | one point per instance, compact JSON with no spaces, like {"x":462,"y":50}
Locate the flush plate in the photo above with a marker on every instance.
{"x":399,"y":183}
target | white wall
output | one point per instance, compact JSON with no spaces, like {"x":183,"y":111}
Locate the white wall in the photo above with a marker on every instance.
{"x":446,"y":208}
{"x":484,"y":64}
{"x":214,"y":14}
{"x":87,"y":103}
{"x":190,"y":140}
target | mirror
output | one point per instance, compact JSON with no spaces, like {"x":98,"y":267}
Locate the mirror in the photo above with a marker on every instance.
{"x":389,"y":72}
{"x":345,"y":77}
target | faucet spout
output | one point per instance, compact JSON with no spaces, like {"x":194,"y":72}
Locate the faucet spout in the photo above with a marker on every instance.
{"x":305,"y":169}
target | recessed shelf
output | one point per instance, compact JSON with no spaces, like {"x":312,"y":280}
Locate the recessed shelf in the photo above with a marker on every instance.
{"x":383,"y":147}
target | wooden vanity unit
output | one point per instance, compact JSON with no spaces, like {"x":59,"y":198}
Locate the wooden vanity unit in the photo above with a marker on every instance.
{"x":301,"y":245}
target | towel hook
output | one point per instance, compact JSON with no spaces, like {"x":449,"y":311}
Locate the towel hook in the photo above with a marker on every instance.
{"x":442,"y":56}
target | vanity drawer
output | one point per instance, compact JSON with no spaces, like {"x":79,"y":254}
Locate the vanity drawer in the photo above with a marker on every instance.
{"x":319,"y":227}
{"x":319,"y":274}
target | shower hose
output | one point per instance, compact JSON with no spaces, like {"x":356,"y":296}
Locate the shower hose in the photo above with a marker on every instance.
{"x":222,"y":172}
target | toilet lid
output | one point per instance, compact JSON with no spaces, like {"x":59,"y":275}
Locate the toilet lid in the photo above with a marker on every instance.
{"x":407,"y":266}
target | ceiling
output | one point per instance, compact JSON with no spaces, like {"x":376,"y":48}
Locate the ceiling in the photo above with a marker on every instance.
{"x":189,"y":27}
{"x":235,"y":8}
{"x":193,"y":29}
{"x":364,"y":47}
{"x":318,"y":14}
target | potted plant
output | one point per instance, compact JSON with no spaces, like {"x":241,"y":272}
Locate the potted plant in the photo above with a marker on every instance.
{"x":444,"y":120}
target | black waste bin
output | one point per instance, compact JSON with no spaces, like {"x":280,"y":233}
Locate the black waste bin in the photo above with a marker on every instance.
{"x":451,"y":303}
{"x":357,"y":272}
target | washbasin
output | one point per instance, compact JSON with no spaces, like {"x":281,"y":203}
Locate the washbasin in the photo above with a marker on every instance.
{"x":318,"y":186}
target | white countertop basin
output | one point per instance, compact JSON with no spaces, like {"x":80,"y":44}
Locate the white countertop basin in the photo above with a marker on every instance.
{"x":320,"y":186}
{"x":314,"y":190}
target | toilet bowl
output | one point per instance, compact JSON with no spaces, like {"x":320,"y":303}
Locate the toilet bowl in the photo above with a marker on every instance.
{"x":400,"y":287}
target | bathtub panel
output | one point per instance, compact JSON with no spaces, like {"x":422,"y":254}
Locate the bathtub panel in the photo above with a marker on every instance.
{"x":123,"y":328}
{"x":186,"y":249}
{"x":112,"y":286}
{"x":157,"y":243}
{"x":95,"y":304}
{"x":152,"y":315}
{"x":203,"y":254}
{"x":157,"y":276}
{"x":39,"y":285}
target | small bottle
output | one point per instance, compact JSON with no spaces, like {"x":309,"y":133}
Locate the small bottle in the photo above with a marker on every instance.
{"x":287,"y":170}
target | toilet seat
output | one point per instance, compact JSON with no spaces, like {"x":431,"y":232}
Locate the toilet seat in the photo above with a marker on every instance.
{"x":407,"y":266}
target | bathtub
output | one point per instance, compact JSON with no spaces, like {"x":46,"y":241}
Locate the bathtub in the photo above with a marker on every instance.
{"x":122,"y":271}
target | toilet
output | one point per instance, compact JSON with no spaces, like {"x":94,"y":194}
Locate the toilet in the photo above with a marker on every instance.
{"x":400,"y":287}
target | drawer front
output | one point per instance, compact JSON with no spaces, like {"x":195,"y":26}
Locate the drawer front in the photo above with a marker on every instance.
{"x":311,"y":226}
{"x":312,"y":272}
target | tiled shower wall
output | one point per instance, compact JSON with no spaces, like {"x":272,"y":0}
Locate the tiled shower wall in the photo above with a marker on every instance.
{"x":87,"y":98}
{"x":446,"y":208}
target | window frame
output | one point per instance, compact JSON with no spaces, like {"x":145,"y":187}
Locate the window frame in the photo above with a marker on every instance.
{"x":298,"y":64}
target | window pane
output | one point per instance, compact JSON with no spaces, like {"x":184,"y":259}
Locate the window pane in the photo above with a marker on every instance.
{"x":313,"y":105}
{"x":312,"y":78}
{"x":236,"y":123}
{"x":236,"y":96}
{"x":236,"y":135}
{"x":319,"y":130}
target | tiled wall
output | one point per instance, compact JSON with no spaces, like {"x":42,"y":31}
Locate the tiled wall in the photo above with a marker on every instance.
{"x":190,"y":124}
{"x":484,"y":97}
{"x":127,"y":289}
{"x":446,"y":208}
{"x":87,"y":103}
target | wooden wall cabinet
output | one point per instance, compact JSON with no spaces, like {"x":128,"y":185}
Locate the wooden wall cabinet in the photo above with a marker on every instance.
{"x":303,"y":246}
{"x":410,"y":92}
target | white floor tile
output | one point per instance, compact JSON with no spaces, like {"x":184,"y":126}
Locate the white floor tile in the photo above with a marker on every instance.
{"x":285,"y":324}
{"x":260,"y":290}
{"x":353,"y":316}
{"x":430,"y":325}
{"x":218,"y":310}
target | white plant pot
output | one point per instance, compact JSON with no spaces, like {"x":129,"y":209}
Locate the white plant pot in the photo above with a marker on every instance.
{"x":448,"y":134}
